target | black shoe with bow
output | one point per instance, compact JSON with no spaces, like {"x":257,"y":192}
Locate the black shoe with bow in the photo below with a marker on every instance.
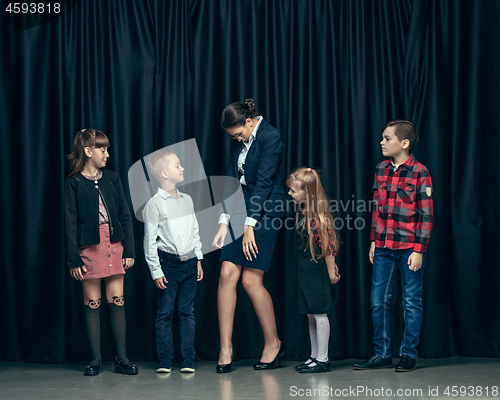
{"x":315,"y":366}
{"x":304,"y":364}
{"x":94,"y":367}
{"x":124,"y":366}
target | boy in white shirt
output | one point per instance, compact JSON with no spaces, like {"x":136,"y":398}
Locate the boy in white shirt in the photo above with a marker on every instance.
{"x":173,"y":253}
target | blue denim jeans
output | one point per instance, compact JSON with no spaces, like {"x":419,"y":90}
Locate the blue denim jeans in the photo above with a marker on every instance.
{"x":386,"y":262}
{"x":180,"y":293}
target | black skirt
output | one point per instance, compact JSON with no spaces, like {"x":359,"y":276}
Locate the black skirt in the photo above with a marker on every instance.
{"x":316,"y":295}
{"x":266,"y":234}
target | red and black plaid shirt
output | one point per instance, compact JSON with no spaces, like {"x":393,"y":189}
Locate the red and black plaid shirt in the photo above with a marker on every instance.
{"x":403,"y":209}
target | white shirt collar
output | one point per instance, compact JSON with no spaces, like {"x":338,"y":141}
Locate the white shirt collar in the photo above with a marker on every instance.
{"x":253,"y":135}
{"x":165,"y":195}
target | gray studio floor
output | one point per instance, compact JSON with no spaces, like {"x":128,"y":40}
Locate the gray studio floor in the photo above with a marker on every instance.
{"x":476,"y":377}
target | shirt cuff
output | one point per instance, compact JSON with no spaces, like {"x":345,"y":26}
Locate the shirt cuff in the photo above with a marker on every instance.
{"x":419,"y":248}
{"x":224,"y":219}
{"x":157,"y":273}
{"x":199,"y":255}
{"x":251,"y":221}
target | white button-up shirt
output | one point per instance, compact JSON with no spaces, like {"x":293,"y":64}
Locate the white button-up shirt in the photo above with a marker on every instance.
{"x":170,"y":225}
{"x":242,"y":157}
{"x":224,"y":218}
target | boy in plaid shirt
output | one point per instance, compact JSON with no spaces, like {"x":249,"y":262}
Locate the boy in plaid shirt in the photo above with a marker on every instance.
{"x":401,"y":228}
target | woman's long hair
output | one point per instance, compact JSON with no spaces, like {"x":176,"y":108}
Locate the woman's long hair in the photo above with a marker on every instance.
{"x":317,"y":214}
{"x":85,"y":138}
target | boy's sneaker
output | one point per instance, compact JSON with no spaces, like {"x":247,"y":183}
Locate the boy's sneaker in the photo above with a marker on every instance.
{"x":187,"y":366}
{"x":164,"y":366}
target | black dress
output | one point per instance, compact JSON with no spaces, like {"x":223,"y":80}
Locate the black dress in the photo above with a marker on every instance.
{"x":316,"y":295}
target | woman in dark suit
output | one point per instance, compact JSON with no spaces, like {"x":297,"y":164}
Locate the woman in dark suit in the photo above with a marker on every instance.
{"x":255,"y":163}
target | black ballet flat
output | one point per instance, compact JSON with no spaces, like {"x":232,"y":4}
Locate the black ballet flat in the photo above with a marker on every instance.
{"x":93,"y":369}
{"x":224,"y":369}
{"x":262,"y":365}
{"x":125,"y":369}
{"x":303,"y":365}
{"x":319,"y":367}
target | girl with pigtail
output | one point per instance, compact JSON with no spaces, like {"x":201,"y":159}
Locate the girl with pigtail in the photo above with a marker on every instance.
{"x":99,"y":242}
{"x":317,"y":244}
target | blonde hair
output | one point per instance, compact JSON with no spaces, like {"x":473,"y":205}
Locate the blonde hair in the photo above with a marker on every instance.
{"x":157,"y":162}
{"x":317,"y":213}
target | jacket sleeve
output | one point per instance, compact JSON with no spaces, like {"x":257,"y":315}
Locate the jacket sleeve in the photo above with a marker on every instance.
{"x":151,"y":218}
{"x":375,"y":209}
{"x":268,"y":164}
{"x":125,"y":220}
{"x":196,"y":233}
{"x":425,"y":208}
{"x":73,"y":258}
{"x":229,"y":201}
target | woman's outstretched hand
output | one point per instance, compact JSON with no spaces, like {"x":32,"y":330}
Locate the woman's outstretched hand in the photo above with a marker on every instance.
{"x":220,"y":236}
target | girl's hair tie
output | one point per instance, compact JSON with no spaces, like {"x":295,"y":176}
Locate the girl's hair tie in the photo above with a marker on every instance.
{"x":308,"y":169}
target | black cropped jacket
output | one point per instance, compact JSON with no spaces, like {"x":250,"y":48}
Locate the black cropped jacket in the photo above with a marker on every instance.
{"x":81,"y":215}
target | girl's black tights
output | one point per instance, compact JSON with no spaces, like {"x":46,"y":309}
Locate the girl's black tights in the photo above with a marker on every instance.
{"x":93,"y":322}
{"x":119,"y":325}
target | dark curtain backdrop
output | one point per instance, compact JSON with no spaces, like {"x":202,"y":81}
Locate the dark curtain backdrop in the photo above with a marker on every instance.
{"x":328,"y":75}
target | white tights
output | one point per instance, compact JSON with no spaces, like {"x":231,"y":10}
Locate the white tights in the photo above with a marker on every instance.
{"x":319,"y":332}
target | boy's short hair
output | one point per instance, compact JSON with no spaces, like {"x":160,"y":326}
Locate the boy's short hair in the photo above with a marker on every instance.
{"x":403,"y":129}
{"x":157,"y":162}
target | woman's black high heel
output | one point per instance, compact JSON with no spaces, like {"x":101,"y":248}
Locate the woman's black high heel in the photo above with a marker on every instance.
{"x":272,"y":364}
{"x":224,"y":369}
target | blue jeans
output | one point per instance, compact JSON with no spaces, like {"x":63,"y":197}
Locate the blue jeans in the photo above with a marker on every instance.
{"x":180,"y":292}
{"x":385,"y":265}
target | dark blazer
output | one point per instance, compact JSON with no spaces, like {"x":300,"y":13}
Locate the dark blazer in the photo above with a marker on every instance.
{"x":81,"y":215}
{"x":262,"y":174}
